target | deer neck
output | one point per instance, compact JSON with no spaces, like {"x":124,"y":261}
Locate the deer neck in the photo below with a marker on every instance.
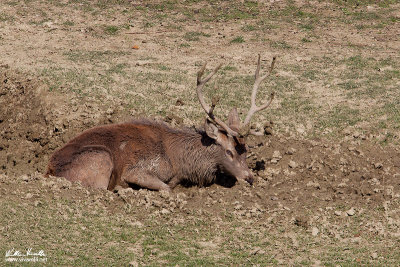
{"x":197,"y":156}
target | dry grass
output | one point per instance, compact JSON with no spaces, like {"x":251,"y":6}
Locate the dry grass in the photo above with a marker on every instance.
{"x":337,"y":78}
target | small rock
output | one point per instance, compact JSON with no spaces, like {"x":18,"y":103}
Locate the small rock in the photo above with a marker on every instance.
{"x":274,"y":160}
{"x":49,"y":24}
{"x":356,"y":134}
{"x":375,"y":181}
{"x":351,"y":212}
{"x":181,"y":196}
{"x":28,"y":196}
{"x":165,"y":211}
{"x":238,"y":207}
{"x":338,"y":213}
{"x":343,"y":161}
{"x":257,"y":250}
{"x":378,"y":165}
{"x":374,"y":255}
{"x":156,"y":203}
{"x":277,"y":154}
{"x":313,"y":184}
{"x":301,"y":129}
{"x":110,"y":111}
{"x":301,"y":221}
{"x":65,"y":184}
{"x":317,"y":263}
{"x":179,"y":102}
{"x":164,"y":194}
{"x":291,"y":151}
{"x":118,"y":188}
{"x":268,"y":128}
{"x":292,"y":164}
{"x":125,"y":192}
{"x":137,"y":224}
{"x":315,"y":231}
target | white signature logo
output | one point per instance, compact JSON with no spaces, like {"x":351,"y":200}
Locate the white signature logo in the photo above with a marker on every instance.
{"x":29,"y":255}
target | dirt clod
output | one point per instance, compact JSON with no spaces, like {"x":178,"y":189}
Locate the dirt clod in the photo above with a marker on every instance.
{"x":351,"y":212}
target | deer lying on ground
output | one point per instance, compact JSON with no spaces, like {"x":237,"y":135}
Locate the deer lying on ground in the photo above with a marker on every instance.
{"x":152,"y":155}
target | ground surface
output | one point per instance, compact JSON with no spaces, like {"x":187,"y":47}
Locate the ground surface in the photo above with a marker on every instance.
{"x":327,"y":188}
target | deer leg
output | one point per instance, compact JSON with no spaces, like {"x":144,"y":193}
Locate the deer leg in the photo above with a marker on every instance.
{"x":174,"y":182}
{"x":144,"y":179}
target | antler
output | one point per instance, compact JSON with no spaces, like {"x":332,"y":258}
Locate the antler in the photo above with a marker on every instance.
{"x":209,"y":110}
{"x":258,"y":79}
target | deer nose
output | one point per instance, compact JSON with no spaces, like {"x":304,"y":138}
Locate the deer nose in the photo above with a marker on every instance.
{"x":249,"y":178}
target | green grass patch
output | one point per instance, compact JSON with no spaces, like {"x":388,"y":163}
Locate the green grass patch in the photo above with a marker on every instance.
{"x":68,"y":23}
{"x":237,"y":40}
{"x":5,"y":17}
{"x":185,"y":45}
{"x":194,"y":36}
{"x":307,"y":27}
{"x":340,"y":117}
{"x":229,"y":68}
{"x":111,"y":30}
{"x":248,"y":28}
{"x":280,"y":45}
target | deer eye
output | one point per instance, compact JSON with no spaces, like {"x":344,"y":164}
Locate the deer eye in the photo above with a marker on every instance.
{"x":229,"y":153}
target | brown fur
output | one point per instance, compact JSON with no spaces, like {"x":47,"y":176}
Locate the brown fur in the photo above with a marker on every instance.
{"x":146,"y":153}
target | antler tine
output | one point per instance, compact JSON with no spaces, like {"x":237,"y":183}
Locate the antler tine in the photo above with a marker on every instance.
{"x":271,"y":68}
{"x":214,"y":102}
{"x":257,"y":74}
{"x":200,"y":73}
{"x":201,"y":83}
{"x":209,"y":110}
{"x":254,"y":108}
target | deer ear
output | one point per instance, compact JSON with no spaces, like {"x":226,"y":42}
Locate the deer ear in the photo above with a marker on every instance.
{"x":211,"y":129}
{"x":233,"y":120}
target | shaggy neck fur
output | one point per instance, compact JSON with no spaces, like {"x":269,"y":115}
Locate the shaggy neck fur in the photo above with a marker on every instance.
{"x":196,"y":154}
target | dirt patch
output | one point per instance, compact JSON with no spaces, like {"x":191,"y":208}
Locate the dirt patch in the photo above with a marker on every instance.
{"x":26,"y":134}
{"x":34,"y":122}
{"x":315,"y":172}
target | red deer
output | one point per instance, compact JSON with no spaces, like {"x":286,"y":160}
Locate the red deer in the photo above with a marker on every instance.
{"x":152,"y":155}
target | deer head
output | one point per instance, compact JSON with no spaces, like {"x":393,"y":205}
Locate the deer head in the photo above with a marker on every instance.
{"x":231,"y":136}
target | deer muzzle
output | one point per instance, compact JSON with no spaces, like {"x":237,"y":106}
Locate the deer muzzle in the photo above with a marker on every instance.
{"x":249,"y":179}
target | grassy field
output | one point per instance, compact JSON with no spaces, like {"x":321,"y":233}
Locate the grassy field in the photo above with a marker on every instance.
{"x":336,"y":79}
